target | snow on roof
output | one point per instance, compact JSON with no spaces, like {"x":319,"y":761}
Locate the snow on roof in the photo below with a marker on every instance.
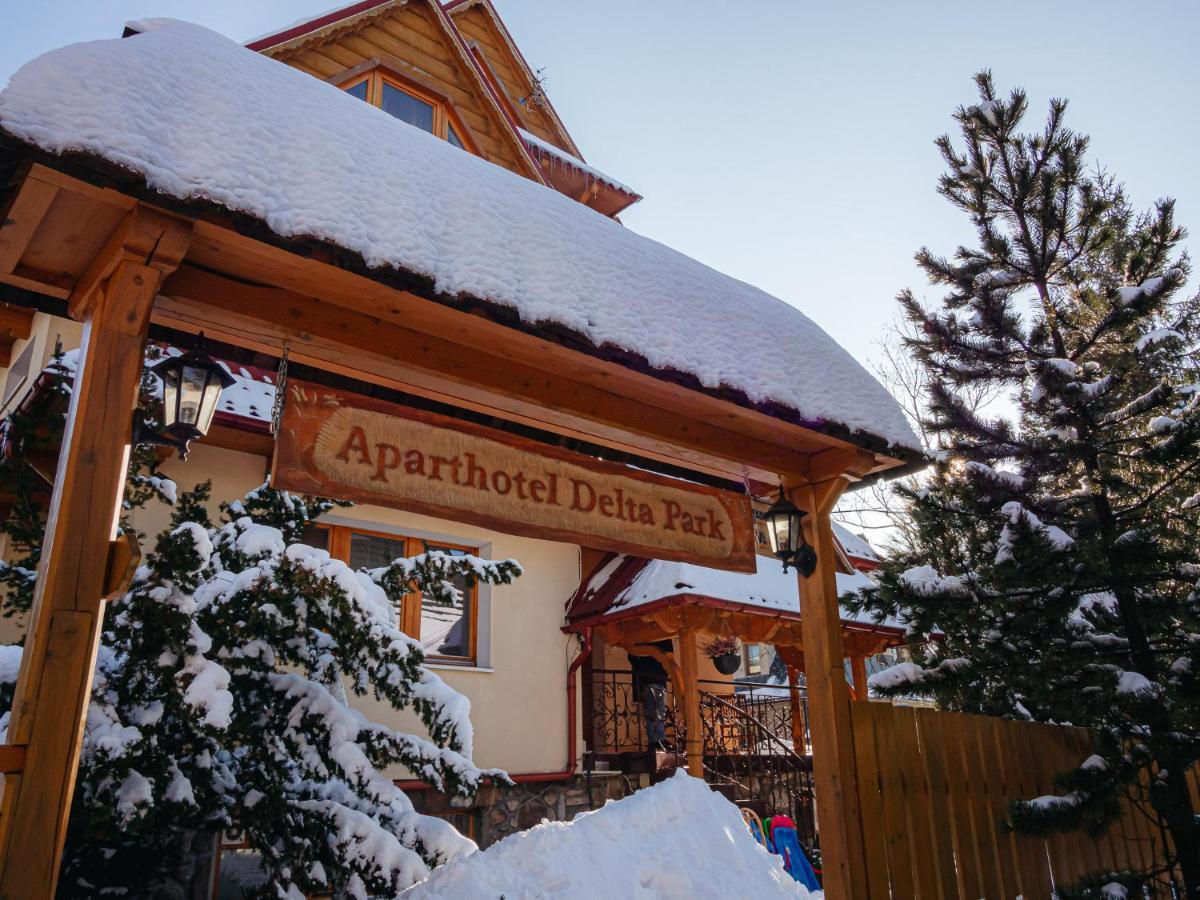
{"x":678,"y":838}
{"x":769,"y":589}
{"x":574,"y":162}
{"x":200,"y":117}
{"x":854,"y":544}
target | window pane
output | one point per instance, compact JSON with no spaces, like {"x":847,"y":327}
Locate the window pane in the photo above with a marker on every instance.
{"x":315,"y":537}
{"x":446,"y":630}
{"x":369,"y":551}
{"x":359,"y":90}
{"x":407,"y":108}
{"x":453,"y":138}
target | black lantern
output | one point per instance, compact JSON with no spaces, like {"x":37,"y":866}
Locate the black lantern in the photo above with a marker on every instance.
{"x":787,"y":537}
{"x":191,"y":387}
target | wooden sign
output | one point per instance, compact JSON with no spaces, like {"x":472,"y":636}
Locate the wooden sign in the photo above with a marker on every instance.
{"x":369,"y":451}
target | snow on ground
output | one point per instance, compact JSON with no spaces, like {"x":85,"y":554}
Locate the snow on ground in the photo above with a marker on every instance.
{"x":678,"y":839}
{"x":200,"y":117}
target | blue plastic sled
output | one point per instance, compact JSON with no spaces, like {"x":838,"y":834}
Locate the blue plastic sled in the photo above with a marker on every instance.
{"x":787,"y":845}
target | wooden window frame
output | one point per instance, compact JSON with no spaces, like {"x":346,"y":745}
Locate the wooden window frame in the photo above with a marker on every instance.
{"x":338,"y":545}
{"x":377,"y":72}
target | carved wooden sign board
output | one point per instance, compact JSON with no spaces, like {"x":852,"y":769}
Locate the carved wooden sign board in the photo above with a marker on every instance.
{"x":365,"y":450}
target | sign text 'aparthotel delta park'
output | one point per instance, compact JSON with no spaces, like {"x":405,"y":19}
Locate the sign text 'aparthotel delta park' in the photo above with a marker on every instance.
{"x":372,"y":451}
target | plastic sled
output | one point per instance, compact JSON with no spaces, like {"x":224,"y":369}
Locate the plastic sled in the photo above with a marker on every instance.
{"x":787,"y":845}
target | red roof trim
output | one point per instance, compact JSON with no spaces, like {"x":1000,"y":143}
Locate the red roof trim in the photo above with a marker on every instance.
{"x":716,"y":603}
{"x":295,"y":31}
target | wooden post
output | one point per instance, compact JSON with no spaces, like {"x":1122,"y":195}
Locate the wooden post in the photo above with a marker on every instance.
{"x":113,"y":300}
{"x":834,"y":772}
{"x":689,"y":670}
{"x":799,"y":741}
{"x":858,"y":670}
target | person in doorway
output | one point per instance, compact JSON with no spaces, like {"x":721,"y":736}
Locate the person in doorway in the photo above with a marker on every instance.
{"x":650,"y":687}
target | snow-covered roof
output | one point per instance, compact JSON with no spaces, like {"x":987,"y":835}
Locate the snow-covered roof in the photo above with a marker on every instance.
{"x":625,"y":583}
{"x":678,"y":838}
{"x":201,"y":118}
{"x":854,"y":544}
{"x":574,"y":162}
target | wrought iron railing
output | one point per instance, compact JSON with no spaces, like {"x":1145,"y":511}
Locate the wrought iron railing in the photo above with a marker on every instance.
{"x":744,"y":752}
{"x":747,"y":739}
{"x":618,"y":718}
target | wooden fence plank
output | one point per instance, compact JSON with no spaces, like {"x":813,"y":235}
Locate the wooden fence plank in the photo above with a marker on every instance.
{"x":966,"y":845}
{"x":1035,"y":855}
{"x":862,"y":721}
{"x":933,"y":749}
{"x":983,"y":811}
{"x":919,"y":806}
{"x":892,"y":766}
{"x":1012,"y":849}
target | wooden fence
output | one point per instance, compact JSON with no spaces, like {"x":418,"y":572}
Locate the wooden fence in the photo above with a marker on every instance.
{"x":934,"y":792}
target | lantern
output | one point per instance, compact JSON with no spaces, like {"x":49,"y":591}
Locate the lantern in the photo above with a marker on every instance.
{"x":787,"y":537}
{"x":192,"y":385}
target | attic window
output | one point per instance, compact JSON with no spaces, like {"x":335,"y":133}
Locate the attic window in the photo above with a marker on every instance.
{"x":407,"y":102}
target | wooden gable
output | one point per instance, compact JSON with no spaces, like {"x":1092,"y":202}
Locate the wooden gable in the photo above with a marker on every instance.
{"x":487,"y":37}
{"x":413,"y":39}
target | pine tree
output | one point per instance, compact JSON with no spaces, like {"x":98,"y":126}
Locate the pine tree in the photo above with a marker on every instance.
{"x":219,"y":702}
{"x":219,"y":705}
{"x":1055,"y":544}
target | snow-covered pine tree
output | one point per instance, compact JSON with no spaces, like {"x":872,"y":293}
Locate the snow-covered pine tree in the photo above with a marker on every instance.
{"x":220,"y":704}
{"x":1057,"y":540}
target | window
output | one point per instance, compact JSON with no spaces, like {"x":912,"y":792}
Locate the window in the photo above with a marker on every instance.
{"x":446,"y":632}
{"x":398,"y":96}
{"x":753,"y":653}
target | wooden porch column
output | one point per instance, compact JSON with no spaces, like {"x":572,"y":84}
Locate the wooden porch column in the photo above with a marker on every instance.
{"x":858,"y":671}
{"x":689,"y":670}
{"x":834,"y":772}
{"x":798,"y":737}
{"x":113,"y":300}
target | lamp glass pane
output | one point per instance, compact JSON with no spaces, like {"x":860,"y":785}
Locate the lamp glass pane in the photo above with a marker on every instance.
{"x":777,"y":527}
{"x":208,"y":405}
{"x":170,"y":380}
{"x":191,"y":393}
{"x":795,"y":535}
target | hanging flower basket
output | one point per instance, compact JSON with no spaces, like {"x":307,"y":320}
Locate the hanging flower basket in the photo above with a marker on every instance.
{"x":727,"y":663}
{"x":726,"y":654}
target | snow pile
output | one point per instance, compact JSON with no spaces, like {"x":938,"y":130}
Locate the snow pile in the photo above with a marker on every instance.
{"x":201,"y":118}
{"x":679,"y":839}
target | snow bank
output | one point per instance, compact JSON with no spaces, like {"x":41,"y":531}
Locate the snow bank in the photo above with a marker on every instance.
{"x":201,"y":118}
{"x":679,"y":839}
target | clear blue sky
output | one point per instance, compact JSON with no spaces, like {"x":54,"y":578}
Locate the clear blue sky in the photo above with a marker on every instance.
{"x":789,"y":143}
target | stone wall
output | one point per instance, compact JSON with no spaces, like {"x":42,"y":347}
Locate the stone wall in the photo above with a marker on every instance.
{"x":501,"y":810}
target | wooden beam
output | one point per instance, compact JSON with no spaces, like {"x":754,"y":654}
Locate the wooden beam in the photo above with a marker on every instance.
{"x":12,"y":758}
{"x":16,"y":322}
{"x":834,"y":772}
{"x":338,"y":340}
{"x":798,"y":736}
{"x":54,"y":683}
{"x":21,"y":221}
{"x":858,"y":672}
{"x":688,"y":688}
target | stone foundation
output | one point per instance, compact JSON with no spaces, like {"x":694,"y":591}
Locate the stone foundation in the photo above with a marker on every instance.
{"x":501,"y":810}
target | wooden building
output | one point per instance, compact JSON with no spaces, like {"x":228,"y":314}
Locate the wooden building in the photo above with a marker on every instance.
{"x":456,"y":278}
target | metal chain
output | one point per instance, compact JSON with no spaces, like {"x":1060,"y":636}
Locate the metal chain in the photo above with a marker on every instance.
{"x":280,"y":389}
